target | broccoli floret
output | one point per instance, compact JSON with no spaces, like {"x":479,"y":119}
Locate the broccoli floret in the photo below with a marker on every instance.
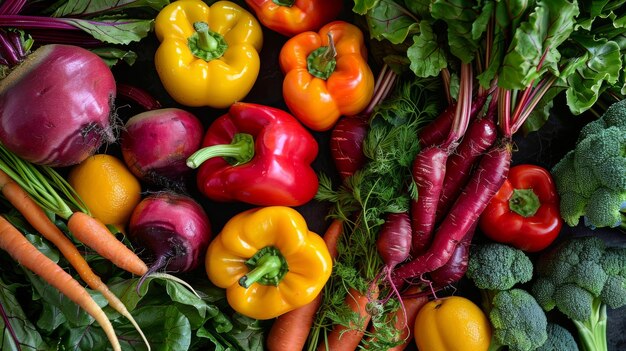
{"x":591,"y":179}
{"x":612,"y":293}
{"x":574,"y":301}
{"x":590,"y":276}
{"x":517,"y":320}
{"x":559,"y":339}
{"x":615,"y":115}
{"x":496,"y":266}
{"x":591,"y":128}
{"x":600,"y":159}
{"x":581,"y":277}
{"x":543,"y":291}
{"x":586,"y":180}
{"x":566,"y":180}
{"x":572,"y":207}
{"x":601,"y":211}
{"x":595,"y":149}
{"x":613,"y":261}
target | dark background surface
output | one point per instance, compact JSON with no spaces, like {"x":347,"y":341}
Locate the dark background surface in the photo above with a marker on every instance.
{"x":543,"y":148}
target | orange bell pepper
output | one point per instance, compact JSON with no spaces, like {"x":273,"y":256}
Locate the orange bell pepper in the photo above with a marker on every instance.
{"x":326,"y":75}
{"x":291,"y":17}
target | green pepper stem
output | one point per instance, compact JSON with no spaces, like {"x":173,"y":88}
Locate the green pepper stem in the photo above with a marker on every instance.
{"x":321,"y":62}
{"x":287,"y":3}
{"x":205,"y":41}
{"x":268,"y":266}
{"x":239,"y":151}
{"x":524,"y":202}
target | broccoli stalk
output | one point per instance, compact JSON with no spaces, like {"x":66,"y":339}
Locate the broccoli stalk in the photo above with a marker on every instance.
{"x":518,"y":321}
{"x":592,"y":331}
{"x":581,"y":277}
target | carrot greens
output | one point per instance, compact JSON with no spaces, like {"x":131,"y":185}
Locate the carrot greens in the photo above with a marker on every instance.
{"x":363,"y":200}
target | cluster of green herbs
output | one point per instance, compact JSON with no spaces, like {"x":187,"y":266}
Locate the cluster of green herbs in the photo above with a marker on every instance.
{"x":383,"y":186}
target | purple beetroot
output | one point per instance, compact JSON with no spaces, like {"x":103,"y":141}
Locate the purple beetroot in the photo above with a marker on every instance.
{"x":156,"y":144}
{"x":56,"y":106}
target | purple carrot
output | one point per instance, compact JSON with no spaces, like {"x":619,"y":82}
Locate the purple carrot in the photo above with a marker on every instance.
{"x":480,"y":136}
{"x":346,"y":145}
{"x":436,"y":131}
{"x":429,"y":170}
{"x":346,"y":138}
{"x":484,"y":183}
{"x":455,"y":268}
{"x":393,"y":246}
{"x":394,"y":241}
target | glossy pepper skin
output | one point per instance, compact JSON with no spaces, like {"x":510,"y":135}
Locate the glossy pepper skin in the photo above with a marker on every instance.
{"x":212,"y":65}
{"x":525,"y":211}
{"x":259,"y":155}
{"x":452,"y":323}
{"x":268,"y":261}
{"x":291,"y":17}
{"x":326,"y":79}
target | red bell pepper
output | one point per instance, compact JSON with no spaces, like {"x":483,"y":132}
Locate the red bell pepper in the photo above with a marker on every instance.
{"x":524,"y":213}
{"x":259,"y":155}
{"x":291,"y":17}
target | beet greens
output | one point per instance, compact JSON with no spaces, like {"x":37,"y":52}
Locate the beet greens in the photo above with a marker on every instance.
{"x":522,"y":54}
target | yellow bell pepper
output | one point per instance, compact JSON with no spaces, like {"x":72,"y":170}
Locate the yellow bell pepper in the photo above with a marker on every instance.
{"x":208,"y":56}
{"x":452,"y":324}
{"x":268,"y":261}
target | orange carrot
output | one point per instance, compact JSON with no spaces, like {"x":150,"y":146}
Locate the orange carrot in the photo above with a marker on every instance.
{"x":412,"y":305}
{"x":53,"y":193}
{"x":35,"y":215}
{"x":290,"y":330}
{"x":26,"y":254}
{"x":97,"y":236}
{"x":343,"y":338}
{"x":332,"y":235}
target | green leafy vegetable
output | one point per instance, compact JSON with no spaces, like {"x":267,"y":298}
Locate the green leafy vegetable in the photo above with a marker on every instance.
{"x":460,"y":17}
{"x":100,"y":7}
{"x":24,"y":331}
{"x":388,"y":20}
{"x":534,"y":48}
{"x":426,"y":56}
{"x":112,"y":55}
{"x":113,"y":31}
